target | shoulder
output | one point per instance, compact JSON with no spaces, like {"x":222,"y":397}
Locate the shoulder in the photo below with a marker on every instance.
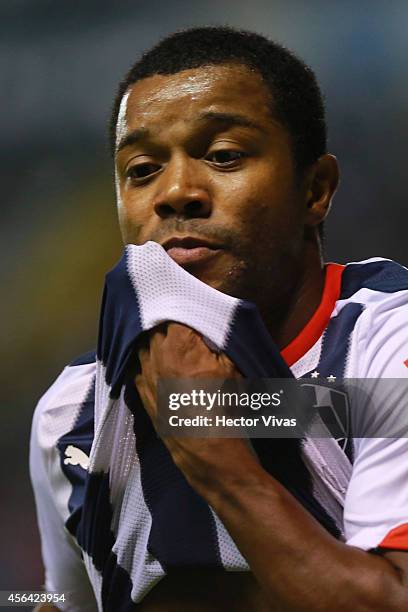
{"x":63,"y":417}
{"x":60,"y":405}
{"x":377,"y":275}
{"x":374,"y":294}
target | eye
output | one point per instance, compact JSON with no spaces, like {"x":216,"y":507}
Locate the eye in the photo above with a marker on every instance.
{"x":142,"y":171}
{"x":225,"y":157}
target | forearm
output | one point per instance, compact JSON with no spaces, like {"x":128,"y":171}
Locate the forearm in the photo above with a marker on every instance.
{"x":300,"y":566}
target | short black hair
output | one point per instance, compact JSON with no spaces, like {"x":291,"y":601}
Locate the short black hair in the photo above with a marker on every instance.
{"x":297,"y":101}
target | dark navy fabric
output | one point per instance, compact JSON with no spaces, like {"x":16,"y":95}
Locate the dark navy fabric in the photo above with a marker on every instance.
{"x":183,"y":531}
{"x":336,"y":341}
{"x":89,"y":357}
{"x":333,"y":359}
{"x":251,"y":348}
{"x":116,"y":588}
{"x":119,"y":325}
{"x":386,"y":276}
{"x":94,"y":533}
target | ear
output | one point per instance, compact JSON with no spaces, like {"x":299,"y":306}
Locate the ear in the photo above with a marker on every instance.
{"x":322,"y":181}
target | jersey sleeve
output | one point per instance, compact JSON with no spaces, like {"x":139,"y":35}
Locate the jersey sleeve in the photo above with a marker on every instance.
{"x":376,"y":504}
{"x":65,"y":571}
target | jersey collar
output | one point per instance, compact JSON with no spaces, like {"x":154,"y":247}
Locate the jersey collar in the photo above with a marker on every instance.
{"x":319,"y":320}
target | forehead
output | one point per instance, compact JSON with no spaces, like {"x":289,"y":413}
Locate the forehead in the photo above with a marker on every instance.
{"x":159,"y":100}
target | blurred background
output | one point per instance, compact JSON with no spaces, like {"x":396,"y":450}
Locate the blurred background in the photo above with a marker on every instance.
{"x":60,"y":62}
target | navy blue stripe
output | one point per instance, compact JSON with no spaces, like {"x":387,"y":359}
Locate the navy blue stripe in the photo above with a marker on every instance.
{"x":94,"y":533}
{"x":183,"y":531}
{"x":335,"y":347}
{"x":95,"y":537}
{"x":251,"y":347}
{"x":80,"y":436}
{"x":119,"y":325}
{"x":386,"y":276}
{"x":116,"y":587}
{"x":89,"y":357}
{"x":336,"y":341}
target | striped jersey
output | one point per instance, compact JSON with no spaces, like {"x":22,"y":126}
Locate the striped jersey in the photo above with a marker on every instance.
{"x":115,"y":514}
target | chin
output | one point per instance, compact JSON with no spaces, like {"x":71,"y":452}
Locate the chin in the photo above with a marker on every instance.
{"x":228,"y":284}
{"x":230,"y":277}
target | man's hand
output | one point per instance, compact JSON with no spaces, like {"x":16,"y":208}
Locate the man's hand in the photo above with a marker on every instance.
{"x":177,"y":351}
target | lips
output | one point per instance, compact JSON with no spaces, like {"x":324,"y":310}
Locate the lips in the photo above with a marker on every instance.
{"x":191,"y":251}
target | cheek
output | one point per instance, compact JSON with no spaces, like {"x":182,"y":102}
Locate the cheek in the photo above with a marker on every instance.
{"x":263,"y":192}
{"x":133,"y":219}
{"x":261,"y":212}
{"x":270,"y":216}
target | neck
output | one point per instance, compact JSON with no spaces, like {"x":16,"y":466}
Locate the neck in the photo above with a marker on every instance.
{"x":285,"y":321}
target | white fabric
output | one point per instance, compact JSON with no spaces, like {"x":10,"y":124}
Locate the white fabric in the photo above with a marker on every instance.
{"x":166,"y":292}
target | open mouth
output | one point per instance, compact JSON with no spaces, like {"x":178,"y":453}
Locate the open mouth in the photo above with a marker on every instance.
{"x":191,"y":251}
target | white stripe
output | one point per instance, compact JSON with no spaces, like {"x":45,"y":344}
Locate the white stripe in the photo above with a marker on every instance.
{"x":231,"y":558}
{"x":134,"y":524}
{"x":166,"y":292}
{"x":331,"y":471}
{"x":95,"y":579}
{"x":367,"y":261}
{"x":371,"y":297}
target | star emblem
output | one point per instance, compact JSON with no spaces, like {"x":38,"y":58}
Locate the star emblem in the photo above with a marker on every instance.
{"x":314,"y":374}
{"x":331,"y":378}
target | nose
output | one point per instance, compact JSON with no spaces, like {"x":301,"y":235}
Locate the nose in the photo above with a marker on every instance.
{"x":181,"y":190}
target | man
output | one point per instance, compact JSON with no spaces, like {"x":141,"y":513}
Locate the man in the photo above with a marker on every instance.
{"x":219,"y":142}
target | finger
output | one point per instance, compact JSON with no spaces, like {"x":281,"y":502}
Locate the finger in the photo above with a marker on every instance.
{"x":181,"y":333}
{"x":144,"y":358}
{"x":182,"y":340}
{"x":148,"y":341}
{"x":157,"y":336}
{"x":147,"y":396}
{"x":229,"y":366}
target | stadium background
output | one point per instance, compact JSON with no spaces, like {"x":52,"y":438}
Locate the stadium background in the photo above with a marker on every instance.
{"x":60,"y":63}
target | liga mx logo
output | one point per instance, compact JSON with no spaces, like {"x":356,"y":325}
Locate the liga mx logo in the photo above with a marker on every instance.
{"x":333,"y":408}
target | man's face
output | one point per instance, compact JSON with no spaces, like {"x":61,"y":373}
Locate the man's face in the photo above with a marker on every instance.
{"x":205,"y":170}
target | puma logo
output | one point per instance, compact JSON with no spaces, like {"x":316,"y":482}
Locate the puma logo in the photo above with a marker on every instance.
{"x":74,"y":456}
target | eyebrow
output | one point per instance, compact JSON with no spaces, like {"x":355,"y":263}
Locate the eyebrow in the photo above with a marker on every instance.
{"x":230,"y":120}
{"x":132,"y":138}
{"x":225,"y":119}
